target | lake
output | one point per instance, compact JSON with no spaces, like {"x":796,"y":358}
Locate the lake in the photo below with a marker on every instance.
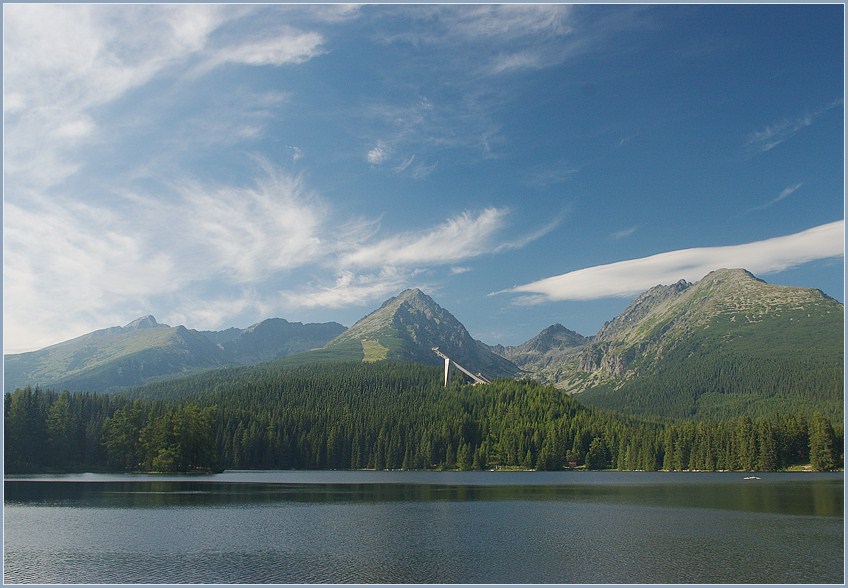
{"x":425,"y":527}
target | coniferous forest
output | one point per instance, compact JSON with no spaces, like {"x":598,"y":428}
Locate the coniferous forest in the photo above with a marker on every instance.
{"x":390,"y":415}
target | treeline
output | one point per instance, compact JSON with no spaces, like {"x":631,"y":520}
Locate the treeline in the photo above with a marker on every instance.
{"x":46,"y":431}
{"x":383,"y":416}
{"x":720,"y":386}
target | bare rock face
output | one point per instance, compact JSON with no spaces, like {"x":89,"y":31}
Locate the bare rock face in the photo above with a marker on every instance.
{"x":598,"y":357}
{"x":145,"y":322}
{"x":641,"y":307}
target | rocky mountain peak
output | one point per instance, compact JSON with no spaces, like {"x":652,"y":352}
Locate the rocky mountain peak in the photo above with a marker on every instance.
{"x":643,"y":305}
{"x":729,"y":276}
{"x":145,"y":322}
{"x":414,"y":298}
{"x":410,"y":324}
{"x":554,"y":337}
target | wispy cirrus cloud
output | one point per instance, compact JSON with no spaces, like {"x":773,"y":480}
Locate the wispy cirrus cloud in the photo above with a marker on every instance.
{"x":475,"y":46}
{"x":525,"y":240}
{"x":470,"y":43}
{"x":784,"y":194}
{"x":232,"y":246}
{"x":58,"y":75}
{"x":461,"y":237}
{"x":781,"y":131}
{"x":282,"y":46}
{"x":117,"y":259}
{"x":349,"y":289}
{"x":116,"y":96}
{"x":557,"y":173}
{"x":624,"y":233}
{"x":367,"y":270}
{"x":626,"y":278}
{"x":58,"y":79}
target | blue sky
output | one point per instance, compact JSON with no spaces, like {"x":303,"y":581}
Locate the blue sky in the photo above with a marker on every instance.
{"x":215,"y":165}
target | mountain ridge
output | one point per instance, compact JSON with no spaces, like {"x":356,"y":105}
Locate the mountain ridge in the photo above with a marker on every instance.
{"x":674,"y":346}
{"x":726,"y":344}
{"x":145,"y":350}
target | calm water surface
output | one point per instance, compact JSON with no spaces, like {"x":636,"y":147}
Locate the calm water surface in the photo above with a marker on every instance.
{"x":425,"y":527}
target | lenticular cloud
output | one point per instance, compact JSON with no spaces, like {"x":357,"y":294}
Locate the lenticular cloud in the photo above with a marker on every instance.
{"x":625,"y":278}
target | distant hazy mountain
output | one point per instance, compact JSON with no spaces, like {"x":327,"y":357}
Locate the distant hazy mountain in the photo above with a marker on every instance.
{"x":145,"y":350}
{"x":407,"y":327}
{"x":730,"y":344}
{"x":275,"y":338}
{"x":543,"y":355}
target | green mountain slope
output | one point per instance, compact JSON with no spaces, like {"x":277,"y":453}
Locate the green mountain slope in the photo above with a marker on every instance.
{"x":117,"y":356}
{"x":145,"y":350}
{"x":407,"y":327}
{"x":730,"y":344}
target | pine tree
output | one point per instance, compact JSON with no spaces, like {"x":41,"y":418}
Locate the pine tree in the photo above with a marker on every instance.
{"x":463,"y":457}
{"x":596,"y":457}
{"x":821,"y":444}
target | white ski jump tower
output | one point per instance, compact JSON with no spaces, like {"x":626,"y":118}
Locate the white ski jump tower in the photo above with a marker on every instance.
{"x":478,"y":377}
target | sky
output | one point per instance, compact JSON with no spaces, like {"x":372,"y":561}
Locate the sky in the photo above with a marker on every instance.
{"x":524,"y":165}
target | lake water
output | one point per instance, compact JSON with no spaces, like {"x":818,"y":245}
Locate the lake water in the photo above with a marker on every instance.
{"x":425,"y":527}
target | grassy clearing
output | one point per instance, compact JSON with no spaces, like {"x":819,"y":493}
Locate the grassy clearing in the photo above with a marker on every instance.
{"x":800,"y":468}
{"x":373,"y":351}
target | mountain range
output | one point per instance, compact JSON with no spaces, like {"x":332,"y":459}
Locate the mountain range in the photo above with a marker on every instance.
{"x":145,"y":350}
{"x":726,"y":345}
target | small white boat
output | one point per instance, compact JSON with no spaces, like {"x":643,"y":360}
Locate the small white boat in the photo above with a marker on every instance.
{"x":752,"y":478}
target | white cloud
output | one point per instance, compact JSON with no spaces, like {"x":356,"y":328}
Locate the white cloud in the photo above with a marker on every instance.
{"x":544,"y":176}
{"x":539,"y":35}
{"x":785,"y":193}
{"x":349,"y":289}
{"x":624,"y":233}
{"x":625,"y":278}
{"x":58,"y":76}
{"x":508,"y":62}
{"x":281,"y":47}
{"x":369,"y":271}
{"x":522,"y":242}
{"x":458,"y":238}
{"x":781,"y":131}
{"x":296,"y":152}
{"x":67,"y":262}
{"x":421,"y":170}
{"x":71,"y":264}
{"x":402,"y":167}
{"x":59,"y":73}
{"x":378,"y":154}
{"x":214,"y":312}
{"x":194,"y":249}
{"x":241,"y":233}
{"x":490,"y":23}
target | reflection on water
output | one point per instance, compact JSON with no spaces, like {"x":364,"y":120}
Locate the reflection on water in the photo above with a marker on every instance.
{"x":401,"y":527}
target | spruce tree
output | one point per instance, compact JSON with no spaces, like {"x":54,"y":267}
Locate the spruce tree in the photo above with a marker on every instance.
{"x":821,"y":444}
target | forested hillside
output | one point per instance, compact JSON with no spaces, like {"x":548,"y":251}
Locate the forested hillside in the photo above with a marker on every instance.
{"x":388,"y":415}
{"x":726,"y":346}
